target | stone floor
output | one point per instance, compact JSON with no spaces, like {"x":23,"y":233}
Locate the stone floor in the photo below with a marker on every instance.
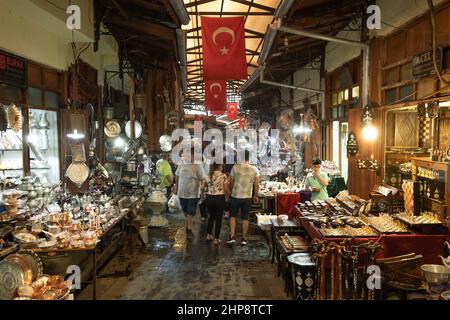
{"x":171,"y":267}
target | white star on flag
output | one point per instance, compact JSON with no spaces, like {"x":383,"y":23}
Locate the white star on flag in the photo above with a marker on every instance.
{"x":224,"y":51}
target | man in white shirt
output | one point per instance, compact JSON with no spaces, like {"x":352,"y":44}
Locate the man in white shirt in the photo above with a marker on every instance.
{"x":243,"y":177}
{"x":189,"y":178}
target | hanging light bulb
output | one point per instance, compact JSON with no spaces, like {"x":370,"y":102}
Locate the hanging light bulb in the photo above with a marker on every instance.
{"x":370,"y":133}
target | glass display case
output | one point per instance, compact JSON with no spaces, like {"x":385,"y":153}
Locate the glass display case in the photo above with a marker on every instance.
{"x":44,"y":146}
{"x":41,"y":137}
{"x":11,"y":150}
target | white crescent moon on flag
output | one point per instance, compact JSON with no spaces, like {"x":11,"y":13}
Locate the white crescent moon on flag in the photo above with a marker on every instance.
{"x":223,"y":30}
{"x":215,"y":84}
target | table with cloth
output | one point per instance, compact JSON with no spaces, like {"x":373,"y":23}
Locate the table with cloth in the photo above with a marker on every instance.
{"x":430,"y":246}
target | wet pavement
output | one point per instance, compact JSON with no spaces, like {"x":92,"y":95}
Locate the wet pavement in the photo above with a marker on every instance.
{"x":173,"y":267}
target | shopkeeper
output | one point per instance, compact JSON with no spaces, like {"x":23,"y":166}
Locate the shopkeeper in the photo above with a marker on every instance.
{"x":318,"y":182}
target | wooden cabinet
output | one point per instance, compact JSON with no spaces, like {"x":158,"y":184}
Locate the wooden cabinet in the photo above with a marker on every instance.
{"x":435,"y":185}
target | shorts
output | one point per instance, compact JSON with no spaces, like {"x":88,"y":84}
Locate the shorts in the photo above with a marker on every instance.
{"x":243,"y":204}
{"x":189,"y":206}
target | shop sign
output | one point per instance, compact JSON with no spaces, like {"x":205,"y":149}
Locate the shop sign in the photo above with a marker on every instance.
{"x":422,"y":64}
{"x":352,"y":145}
{"x":13,"y":70}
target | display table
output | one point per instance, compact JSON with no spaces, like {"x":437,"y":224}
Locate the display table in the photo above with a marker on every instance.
{"x":429,"y":245}
{"x":120,"y":221}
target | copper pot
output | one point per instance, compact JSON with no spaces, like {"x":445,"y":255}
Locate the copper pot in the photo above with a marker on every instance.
{"x":64,"y":217}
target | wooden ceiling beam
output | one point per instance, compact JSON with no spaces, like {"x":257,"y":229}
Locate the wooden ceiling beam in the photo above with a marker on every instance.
{"x":256,"y":5}
{"x":197,"y":3}
{"x":229,"y":13}
{"x":142,"y":26}
{"x":147,"y":5}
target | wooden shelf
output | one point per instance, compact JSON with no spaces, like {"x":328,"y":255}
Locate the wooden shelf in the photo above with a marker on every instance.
{"x":442,"y":202}
{"x":442,"y":180}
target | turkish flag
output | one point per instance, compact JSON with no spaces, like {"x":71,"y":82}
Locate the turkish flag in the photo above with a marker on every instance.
{"x":223,"y":41}
{"x":242,"y":123}
{"x":215,"y":96}
{"x":232,"y":110}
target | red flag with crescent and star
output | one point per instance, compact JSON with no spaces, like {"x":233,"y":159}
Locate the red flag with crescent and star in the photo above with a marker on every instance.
{"x":223,"y":42}
{"x":215,"y":96}
{"x":242,"y":123}
{"x":232,"y":110}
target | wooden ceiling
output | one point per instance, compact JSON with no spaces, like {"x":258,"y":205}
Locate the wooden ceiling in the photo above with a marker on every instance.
{"x":292,"y":52}
{"x":144,"y":30}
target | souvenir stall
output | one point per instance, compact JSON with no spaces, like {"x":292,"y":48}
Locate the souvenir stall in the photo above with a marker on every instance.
{"x":49,"y":224}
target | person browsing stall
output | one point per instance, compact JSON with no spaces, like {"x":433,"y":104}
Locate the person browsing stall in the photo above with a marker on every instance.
{"x":318,"y":182}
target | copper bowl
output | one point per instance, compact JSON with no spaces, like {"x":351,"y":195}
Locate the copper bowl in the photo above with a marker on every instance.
{"x":55,"y":281}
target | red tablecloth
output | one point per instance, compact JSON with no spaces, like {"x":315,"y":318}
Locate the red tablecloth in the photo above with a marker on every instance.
{"x":286,"y":202}
{"x":431,"y":246}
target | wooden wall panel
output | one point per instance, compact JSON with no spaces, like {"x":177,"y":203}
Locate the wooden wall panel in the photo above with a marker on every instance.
{"x":34,"y":75}
{"x":396,"y":47}
{"x":50,"y":80}
{"x":419,"y":38}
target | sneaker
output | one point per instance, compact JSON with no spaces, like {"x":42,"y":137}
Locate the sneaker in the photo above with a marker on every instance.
{"x":226,"y":215}
{"x":232,"y":240}
{"x":203,"y":219}
{"x":243,"y":242}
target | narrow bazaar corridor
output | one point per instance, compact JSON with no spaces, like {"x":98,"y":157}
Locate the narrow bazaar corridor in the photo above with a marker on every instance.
{"x":172,"y":268}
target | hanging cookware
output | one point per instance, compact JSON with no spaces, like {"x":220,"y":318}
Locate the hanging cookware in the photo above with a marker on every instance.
{"x":165,"y":142}
{"x":112,"y":129}
{"x":109,"y":167}
{"x":102,"y":170}
{"x":109,"y":113}
{"x":110,"y":156}
{"x":14,"y":118}
{"x":131,"y":166}
{"x":137,"y":129}
{"x":78,"y":173}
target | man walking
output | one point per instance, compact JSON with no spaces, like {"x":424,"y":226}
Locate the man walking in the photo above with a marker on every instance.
{"x":242,"y":179}
{"x":189,"y":178}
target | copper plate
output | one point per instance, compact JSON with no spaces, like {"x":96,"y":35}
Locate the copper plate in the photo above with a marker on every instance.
{"x":11,"y":278}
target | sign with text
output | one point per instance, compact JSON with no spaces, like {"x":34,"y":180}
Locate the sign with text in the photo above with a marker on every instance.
{"x":13,"y":70}
{"x":423,"y":66}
